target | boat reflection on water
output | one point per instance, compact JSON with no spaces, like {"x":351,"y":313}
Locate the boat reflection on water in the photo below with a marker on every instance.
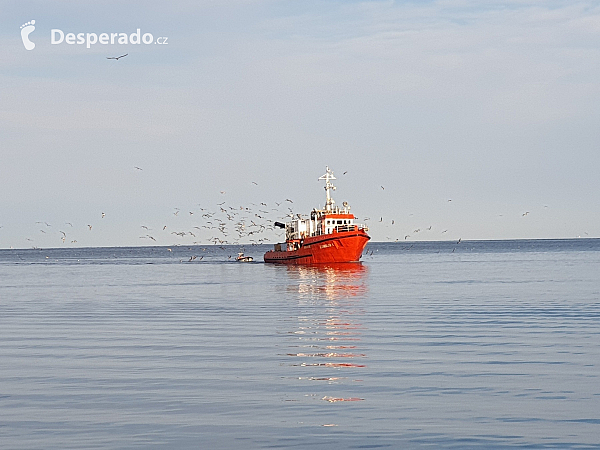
{"x":328,"y":281}
{"x":325,"y":340}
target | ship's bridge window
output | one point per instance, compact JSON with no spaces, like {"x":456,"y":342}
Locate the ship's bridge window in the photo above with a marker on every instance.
{"x":339,"y":222}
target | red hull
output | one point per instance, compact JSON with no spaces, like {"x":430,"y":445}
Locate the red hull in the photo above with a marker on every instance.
{"x":337,"y":247}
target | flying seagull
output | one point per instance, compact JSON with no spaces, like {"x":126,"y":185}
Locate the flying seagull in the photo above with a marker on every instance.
{"x":118,"y":57}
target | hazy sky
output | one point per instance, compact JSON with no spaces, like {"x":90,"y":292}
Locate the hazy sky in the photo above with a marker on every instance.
{"x":492,"y":105}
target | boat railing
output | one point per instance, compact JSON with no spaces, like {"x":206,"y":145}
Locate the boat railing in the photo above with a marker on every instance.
{"x":355,"y":227}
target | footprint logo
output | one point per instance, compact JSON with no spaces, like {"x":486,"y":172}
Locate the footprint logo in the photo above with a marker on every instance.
{"x":26,"y":30}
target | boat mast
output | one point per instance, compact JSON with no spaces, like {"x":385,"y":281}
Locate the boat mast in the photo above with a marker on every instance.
{"x":328,"y":176}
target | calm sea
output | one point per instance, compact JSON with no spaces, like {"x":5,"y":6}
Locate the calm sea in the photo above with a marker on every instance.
{"x":488,"y":344}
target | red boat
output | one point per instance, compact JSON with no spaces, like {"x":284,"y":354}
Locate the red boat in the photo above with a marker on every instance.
{"x":330,"y":235}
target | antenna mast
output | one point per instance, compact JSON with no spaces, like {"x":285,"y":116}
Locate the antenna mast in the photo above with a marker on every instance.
{"x":327,"y":177}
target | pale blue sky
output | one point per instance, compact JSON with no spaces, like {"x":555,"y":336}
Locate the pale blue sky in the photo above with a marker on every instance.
{"x":494,"y":105}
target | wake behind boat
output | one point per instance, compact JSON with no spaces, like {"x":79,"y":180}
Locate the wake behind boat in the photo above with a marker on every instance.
{"x":330,"y":235}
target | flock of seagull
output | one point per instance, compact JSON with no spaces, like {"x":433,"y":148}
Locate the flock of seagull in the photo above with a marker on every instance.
{"x":227,"y":224}
{"x":224,"y":223}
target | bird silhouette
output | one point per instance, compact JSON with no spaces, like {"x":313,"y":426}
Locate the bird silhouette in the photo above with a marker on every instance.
{"x":118,"y":57}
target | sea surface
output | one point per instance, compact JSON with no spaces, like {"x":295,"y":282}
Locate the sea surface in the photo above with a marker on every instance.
{"x":477,"y":344}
